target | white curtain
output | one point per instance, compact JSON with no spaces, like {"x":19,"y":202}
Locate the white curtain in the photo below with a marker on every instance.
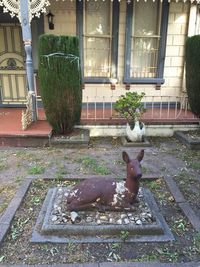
{"x":145,"y":38}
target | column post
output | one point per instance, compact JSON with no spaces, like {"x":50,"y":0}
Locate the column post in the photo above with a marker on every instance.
{"x":27,"y":39}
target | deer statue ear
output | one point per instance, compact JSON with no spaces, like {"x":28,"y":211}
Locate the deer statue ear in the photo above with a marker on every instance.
{"x":125,"y":157}
{"x":140,"y":155}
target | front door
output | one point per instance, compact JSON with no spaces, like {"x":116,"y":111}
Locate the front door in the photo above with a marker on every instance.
{"x":12,"y":68}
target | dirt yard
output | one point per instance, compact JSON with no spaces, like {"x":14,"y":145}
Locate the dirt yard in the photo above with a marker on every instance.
{"x":165,"y":158}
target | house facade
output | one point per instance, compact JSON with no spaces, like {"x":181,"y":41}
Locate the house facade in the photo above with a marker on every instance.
{"x":124,"y":45}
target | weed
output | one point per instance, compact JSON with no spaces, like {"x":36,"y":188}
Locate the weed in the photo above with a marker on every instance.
{"x":144,"y":169}
{"x":36,"y":170}
{"x":166,"y":254}
{"x":18,"y":179}
{"x":2,"y":258}
{"x":195,"y":165}
{"x":154,"y":185}
{"x":115,"y":246}
{"x":148,"y":257}
{"x":197,"y":241}
{"x":62,"y":169}
{"x":36,"y":200}
{"x":3,"y":166}
{"x":180,"y":226}
{"x":118,"y":162}
{"x":112,"y":256}
{"x":124,"y":235}
{"x":17,"y":228}
{"x":53,"y":250}
{"x":92,"y":164}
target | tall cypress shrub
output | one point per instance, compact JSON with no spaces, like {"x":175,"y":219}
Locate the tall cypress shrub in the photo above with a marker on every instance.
{"x":193,"y":73}
{"x":60,"y":81}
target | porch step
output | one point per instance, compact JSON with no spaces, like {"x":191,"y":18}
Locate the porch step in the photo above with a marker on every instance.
{"x":38,"y":134}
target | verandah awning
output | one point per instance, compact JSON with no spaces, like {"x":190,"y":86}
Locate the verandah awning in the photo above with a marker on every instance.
{"x":36,"y":7}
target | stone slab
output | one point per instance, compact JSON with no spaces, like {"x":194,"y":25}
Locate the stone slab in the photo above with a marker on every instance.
{"x":74,"y":141}
{"x":45,"y":232}
{"x":8,"y":215}
{"x":190,"y":143}
{"x":190,"y":214}
{"x":183,"y":204}
{"x":174,"y":189}
{"x":113,"y":264}
{"x":126,"y":143}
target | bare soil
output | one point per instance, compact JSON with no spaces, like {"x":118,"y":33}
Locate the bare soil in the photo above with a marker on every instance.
{"x":166,"y":157}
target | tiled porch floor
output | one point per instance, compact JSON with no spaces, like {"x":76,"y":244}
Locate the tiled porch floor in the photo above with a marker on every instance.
{"x":10,"y":120}
{"x":10,"y":124}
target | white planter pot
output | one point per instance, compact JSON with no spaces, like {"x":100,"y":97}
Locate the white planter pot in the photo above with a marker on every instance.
{"x":137,"y":133}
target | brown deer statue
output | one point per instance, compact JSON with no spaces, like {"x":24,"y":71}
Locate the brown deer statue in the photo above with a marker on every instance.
{"x":107,"y":193}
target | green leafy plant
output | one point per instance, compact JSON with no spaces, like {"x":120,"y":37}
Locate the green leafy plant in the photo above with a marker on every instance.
{"x":60,"y":81}
{"x":129,"y":106}
{"x":192,"y":58}
{"x":36,"y":170}
{"x":18,"y":228}
{"x":91,"y":163}
{"x":197,"y":241}
{"x":124,"y":235}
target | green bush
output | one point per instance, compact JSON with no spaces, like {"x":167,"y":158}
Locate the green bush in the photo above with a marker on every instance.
{"x":193,"y":73}
{"x":129,"y":106}
{"x":60,"y":81}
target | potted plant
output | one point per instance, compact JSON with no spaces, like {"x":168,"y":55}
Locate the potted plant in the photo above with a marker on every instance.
{"x":129,"y":106}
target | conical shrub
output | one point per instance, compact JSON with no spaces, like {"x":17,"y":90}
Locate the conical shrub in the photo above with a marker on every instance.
{"x":193,"y":73}
{"x":60,"y":81}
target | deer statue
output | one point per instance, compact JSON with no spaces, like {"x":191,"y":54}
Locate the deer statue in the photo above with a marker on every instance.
{"x":107,"y":193}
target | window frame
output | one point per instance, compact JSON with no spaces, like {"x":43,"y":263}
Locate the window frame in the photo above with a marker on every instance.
{"x":162,"y":47}
{"x":114,"y":42}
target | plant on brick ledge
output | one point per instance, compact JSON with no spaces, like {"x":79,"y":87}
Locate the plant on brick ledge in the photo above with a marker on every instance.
{"x":60,"y":81}
{"x":192,"y":56}
{"x":129,"y":106}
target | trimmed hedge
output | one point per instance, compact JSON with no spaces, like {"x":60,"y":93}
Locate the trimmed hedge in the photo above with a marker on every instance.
{"x":60,"y":81}
{"x":193,"y":73}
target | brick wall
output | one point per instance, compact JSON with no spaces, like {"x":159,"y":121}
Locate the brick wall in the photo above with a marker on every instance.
{"x":65,"y":23}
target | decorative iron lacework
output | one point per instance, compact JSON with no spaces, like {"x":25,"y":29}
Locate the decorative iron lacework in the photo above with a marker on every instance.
{"x":36,"y":7}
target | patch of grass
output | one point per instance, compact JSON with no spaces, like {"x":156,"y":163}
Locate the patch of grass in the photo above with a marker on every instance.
{"x":167,"y":255}
{"x":92,"y":164}
{"x":148,"y":257}
{"x":197,"y":241}
{"x":180,"y":226}
{"x":6,"y":193}
{"x":36,"y":170}
{"x":124,"y":235}
{"x":3,"y":166}
{"x":61,"y":169}
{"x":144,"y":169}
{"x":36,"y":200}
{"x":18,"y":179}
{"x":195,"y":165}
{"x":153,"y":185}
{"x":18,"y":228}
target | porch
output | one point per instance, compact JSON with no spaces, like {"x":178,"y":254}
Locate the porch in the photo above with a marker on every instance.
{"x":159,"y":111}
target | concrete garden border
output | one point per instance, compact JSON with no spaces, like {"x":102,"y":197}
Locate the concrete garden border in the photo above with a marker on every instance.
{"x":189,"y":142}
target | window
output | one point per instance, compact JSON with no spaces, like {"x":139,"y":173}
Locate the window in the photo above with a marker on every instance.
{"x":145,"y":41}
{"x":98,"y":32}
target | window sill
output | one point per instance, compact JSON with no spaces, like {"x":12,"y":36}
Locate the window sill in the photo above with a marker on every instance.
{"x":99,"y":80}
{"x":144,"y":80}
